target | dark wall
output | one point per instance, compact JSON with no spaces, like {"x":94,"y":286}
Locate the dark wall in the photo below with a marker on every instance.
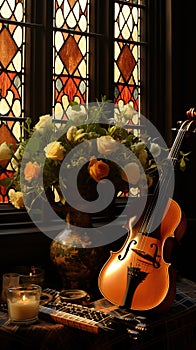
{"x":185,"y":195}
{"x":184,"y":57}
{"x":184,"y":97}
{"x":20,"y":250}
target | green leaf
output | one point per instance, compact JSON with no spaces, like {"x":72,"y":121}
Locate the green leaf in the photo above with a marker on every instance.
{"x":184,"y":154}
{"x":75,"y":106}
{"x":182,"y":164}
{"x":73,"y":103}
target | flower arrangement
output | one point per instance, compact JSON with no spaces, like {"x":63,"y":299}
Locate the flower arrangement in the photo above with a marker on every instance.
{"x":104,"y":148}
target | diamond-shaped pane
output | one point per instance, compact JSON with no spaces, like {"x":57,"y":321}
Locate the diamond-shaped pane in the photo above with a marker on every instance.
{"x":70,"y":54}
{"x":6,"y":135}
{"x":126,"y":62}
{"x":8,"y":47}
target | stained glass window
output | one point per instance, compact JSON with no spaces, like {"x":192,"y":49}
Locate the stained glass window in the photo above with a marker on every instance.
{"x":71,"y":53}
{"x":79,"y":29}
{"x":12,"y":45}
{"x":128,"y":43}
{"x":127,"y":52}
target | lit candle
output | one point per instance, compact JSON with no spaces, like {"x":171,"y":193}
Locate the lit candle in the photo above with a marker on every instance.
{"x":24,"y":309}
{"x":34,"y":275}
{"x":23,"y":304}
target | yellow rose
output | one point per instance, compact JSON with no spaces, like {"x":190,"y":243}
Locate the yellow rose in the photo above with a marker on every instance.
{"x":16,"y":198}
{"x":5,"y":152}
{"x":98,"y":169}
{"x":31,"y":171}
{"x":131,"y":173}
{"x":54,"y":150}
{"x":71,"y":132}
{"x":143,"y":156}
{"x":138,"y":147}
{"x":106,"y":144}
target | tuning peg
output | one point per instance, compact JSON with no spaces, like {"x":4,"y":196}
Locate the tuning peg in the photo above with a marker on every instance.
{"x":191,"y":112}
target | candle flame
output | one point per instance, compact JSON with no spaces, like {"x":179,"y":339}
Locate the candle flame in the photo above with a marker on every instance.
{"x":23,"y":298}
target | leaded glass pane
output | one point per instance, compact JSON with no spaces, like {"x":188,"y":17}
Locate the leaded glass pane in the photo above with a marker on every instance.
{"x":127,"y":52}
{"x":71,"y":54}
{"x":12,"y":38}
{"x":12,"y":44}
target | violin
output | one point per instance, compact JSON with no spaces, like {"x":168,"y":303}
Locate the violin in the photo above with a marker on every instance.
{"x":140,"y":276}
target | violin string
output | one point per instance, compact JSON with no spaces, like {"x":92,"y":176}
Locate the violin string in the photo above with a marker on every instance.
{"x":164,"y":181}
{"x":175,"y":148}
{"x":146,"y":224}
{"x":143,"y":226}
{"x":173,"y":157}
{"x":148,"y":217}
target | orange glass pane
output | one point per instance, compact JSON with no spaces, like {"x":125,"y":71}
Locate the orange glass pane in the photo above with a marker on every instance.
{"x":70,"y":54}
{"x":127,"y":52}
{"x":12,"y":58}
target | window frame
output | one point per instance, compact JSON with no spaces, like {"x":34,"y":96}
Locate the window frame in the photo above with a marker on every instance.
{"x":38,"y":102}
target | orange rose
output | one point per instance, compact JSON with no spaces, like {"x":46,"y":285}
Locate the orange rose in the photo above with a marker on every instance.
{"x":98,"y":169}
{"x":31,"y":171}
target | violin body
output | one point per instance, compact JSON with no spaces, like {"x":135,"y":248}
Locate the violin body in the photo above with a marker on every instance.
{"x":140,"y":275}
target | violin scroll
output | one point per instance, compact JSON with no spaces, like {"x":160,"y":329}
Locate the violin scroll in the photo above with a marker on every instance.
{"x":191,"y":113}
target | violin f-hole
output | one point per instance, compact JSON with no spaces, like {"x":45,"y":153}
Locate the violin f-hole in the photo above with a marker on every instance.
{"x":155,"y":263}
{"x":127,"y":250}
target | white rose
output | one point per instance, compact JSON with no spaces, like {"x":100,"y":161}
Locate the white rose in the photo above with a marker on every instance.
{"x":155,"y":149}
{"x":54,"y":150}
{"x":5,"y":152}
{"x":77,"y":116}
{"x":123,"y":114}
{"x":129,"y":111}
{"x":42,"y":121}
{"x":119,"y":117}
{"x":131,"y":173}
{"x":106,"y":144}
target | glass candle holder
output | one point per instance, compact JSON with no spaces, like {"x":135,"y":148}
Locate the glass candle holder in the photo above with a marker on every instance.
{"x":32,"y":275}
{"x":23,"y":303}
{"x":9,"y":279}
